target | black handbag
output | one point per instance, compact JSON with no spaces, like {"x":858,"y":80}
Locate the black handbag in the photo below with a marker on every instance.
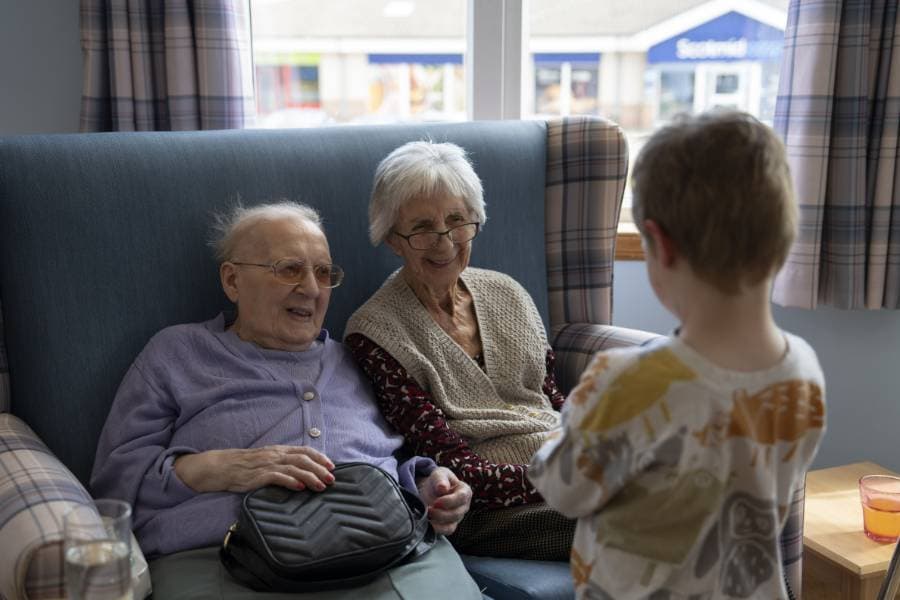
{"x":301,"y":541}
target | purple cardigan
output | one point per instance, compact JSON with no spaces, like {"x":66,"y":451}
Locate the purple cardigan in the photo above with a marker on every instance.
{"x":198,"y":387}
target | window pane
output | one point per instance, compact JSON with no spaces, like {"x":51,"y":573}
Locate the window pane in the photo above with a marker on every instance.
{"x":727,"y":83}
{"x":676,"y":92}
{"x":547,"y":80}
{"x":358,"y":61}
{"x":584,"y":89}
{"x":640,"y":64}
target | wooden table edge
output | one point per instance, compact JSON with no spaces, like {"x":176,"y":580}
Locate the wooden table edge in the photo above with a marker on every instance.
{"x":829,"y":555}
{"x":840,"y":561}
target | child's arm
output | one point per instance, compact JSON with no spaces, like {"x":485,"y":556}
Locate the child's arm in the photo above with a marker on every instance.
{"x":577,"y":470}
{"x":554,"y":473}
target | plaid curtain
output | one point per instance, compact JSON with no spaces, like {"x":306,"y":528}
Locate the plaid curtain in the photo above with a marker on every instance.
{"x":173,"y":65}
{"x":838,"y":111}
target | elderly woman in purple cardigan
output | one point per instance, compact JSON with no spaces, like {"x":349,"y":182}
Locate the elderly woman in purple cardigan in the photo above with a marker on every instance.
{"x":262,"y":397}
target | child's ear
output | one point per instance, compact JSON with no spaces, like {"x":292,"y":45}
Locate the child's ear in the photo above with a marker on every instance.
{"x":660,"y":243}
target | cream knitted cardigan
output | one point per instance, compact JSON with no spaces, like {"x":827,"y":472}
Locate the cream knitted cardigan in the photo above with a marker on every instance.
{"x":503,"y":413}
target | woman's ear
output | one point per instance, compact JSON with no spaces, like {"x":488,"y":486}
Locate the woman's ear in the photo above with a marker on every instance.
{"x":393,"y":242}
{"x":228,"y":276}
{"x":659,"y":243}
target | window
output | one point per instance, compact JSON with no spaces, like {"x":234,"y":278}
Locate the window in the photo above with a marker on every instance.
{"x":642,"y":66}
{"x":547,"y":84}
{"x":727,"y":83}
{"x":564,"y":84}
{"x":675,"y":93}
{"x":363,"y":61}
{"x":421,"y":87}
{"x":358,"y":61}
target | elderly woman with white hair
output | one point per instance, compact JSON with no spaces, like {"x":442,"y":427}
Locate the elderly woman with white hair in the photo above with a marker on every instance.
{"x":260,"y":396}
{"x":458,"y":356}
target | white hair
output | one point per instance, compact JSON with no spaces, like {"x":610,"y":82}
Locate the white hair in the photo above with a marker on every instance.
{"x":421,"y":169}
{"x":228,"y":229}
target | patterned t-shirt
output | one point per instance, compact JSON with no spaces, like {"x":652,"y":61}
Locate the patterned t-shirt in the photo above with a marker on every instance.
{"x":680,"y":472}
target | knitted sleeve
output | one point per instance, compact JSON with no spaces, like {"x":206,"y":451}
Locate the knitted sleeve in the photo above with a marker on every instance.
{"x":408,"y":408}
{"x":550,"y":389}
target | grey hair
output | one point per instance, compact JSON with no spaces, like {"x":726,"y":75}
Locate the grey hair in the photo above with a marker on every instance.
{"x":422,"y":168}
{"x":228,"y":229}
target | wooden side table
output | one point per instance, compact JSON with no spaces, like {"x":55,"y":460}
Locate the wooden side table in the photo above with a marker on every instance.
{"x":839,"y":561}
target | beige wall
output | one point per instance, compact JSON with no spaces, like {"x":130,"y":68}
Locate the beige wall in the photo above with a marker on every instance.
{"x":622,"y":89}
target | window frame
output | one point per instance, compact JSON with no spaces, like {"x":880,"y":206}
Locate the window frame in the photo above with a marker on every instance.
{"x":496,"y":37}
{"x":628,"y":243}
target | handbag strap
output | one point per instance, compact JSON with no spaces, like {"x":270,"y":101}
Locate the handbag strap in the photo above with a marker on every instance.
{"x":424,"y":531}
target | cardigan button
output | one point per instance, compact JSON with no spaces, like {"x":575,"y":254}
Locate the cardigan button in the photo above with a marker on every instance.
{"x":308,"y":396}
{"x":315,"y":432}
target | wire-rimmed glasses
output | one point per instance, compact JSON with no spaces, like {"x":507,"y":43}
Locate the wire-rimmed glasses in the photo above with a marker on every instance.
{"x":426,"y":240}
{"x":291,"y":271}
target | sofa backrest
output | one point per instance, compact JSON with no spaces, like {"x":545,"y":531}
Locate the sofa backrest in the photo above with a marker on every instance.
{"x":103,"y":241}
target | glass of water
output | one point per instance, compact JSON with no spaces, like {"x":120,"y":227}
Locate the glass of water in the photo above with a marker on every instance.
{"x":97,"y":547}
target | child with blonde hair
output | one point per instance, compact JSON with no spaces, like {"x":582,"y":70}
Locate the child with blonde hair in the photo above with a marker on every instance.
{"x":679,"y":458}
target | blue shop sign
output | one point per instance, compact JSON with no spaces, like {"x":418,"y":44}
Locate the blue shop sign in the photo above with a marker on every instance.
{"x":730,"y":37}
{"x":576,"y":58}
{"x":418,"y":59}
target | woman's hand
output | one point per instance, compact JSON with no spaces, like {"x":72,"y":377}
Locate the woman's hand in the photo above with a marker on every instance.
{"x":446,"y":497}
{"x":234,"y":470}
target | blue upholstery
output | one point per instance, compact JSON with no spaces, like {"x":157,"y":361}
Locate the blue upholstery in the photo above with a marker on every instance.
{"x":102,"y":244}
{"x":507,"y":579}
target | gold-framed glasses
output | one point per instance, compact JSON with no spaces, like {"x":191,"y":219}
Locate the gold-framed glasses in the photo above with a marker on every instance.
{"x":426,"y":240}
{"x":291,"y":271}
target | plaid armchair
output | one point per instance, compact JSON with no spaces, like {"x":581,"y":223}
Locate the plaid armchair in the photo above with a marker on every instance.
{"x":587,"y":162}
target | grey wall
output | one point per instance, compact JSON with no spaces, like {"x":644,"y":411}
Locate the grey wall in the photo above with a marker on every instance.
{"x":40,"y":66}
{"x":859,"y":352}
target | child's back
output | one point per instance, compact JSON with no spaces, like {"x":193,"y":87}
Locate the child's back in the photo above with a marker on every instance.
{"x":693,"y":466}
{"x":680,"y":458}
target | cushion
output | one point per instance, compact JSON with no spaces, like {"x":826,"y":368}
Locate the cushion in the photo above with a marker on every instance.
{"x":36,"y":490}
{"x":511,"y":579}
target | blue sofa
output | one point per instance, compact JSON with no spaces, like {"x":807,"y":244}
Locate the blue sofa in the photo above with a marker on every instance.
{"x":102,"y":244}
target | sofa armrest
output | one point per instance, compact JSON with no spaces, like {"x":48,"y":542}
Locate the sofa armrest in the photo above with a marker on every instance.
{"x":36,"y":490}
{"x":576,"y":343}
